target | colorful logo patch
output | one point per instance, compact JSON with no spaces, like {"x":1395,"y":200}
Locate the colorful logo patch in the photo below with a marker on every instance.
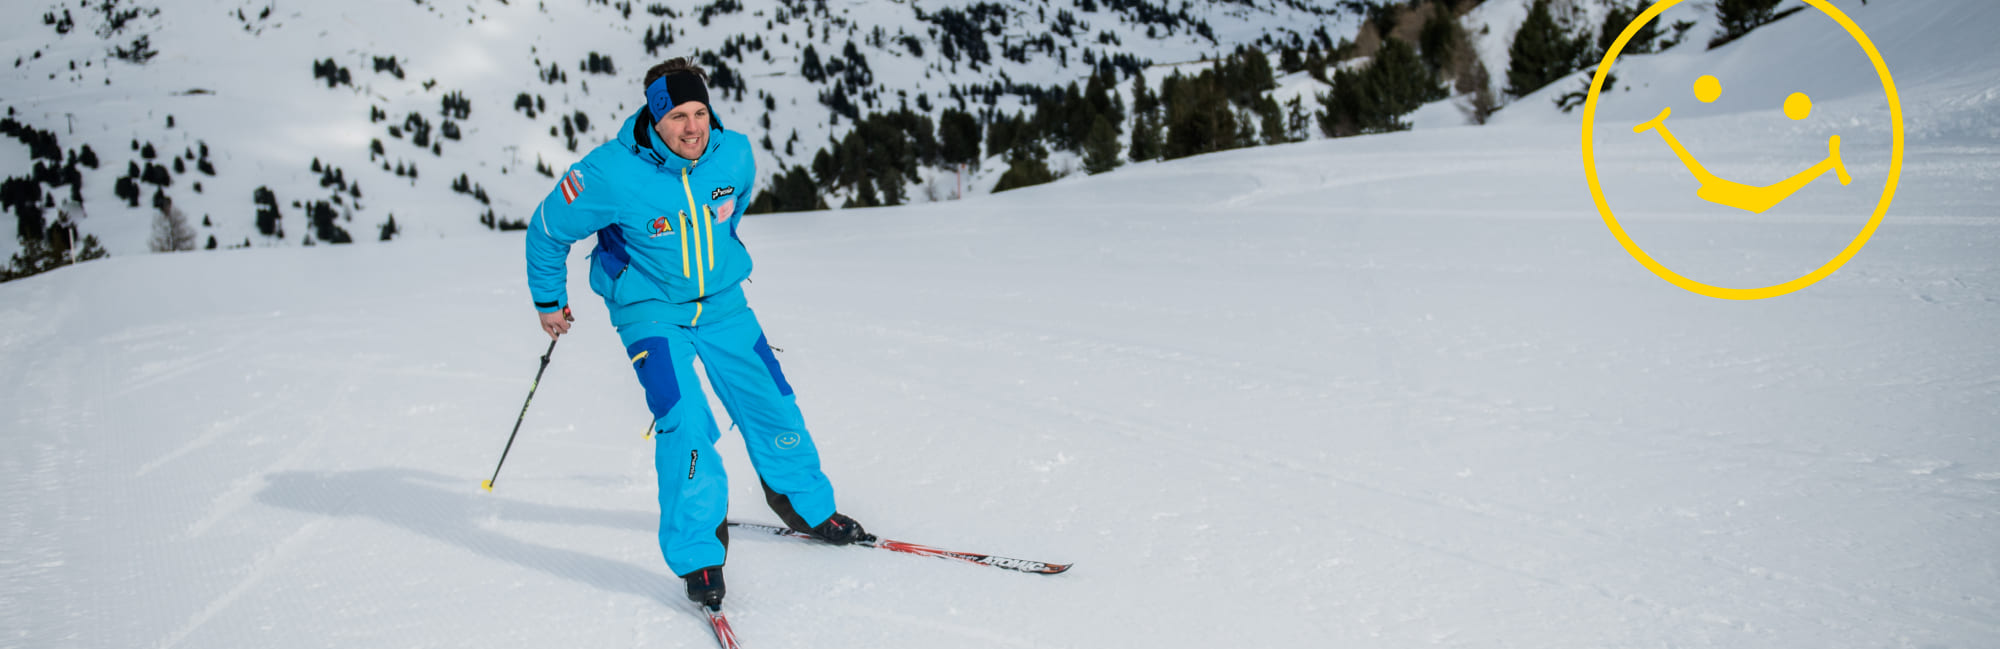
{"x":786,"y":441}
{"x":572,"y":186}
{"x":723,"y":211}
{"x":662,"y":226}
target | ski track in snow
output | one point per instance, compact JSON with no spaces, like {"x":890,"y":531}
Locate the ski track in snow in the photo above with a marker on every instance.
{"x":219,"y":430}
{"x":259,"y":567}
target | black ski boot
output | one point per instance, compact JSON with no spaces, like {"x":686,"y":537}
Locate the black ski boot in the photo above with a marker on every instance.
{"x":705,"y":586}
{"x":839,"y":530}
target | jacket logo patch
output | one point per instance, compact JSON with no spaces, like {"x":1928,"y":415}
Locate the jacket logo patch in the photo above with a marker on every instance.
{"x":721,"y":192}
{"x":572,"y":186}
{"x":661,"y":226}
{"x":723,"y":212}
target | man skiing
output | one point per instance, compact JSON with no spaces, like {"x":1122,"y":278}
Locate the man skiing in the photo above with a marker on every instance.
{"x":664,"y":200}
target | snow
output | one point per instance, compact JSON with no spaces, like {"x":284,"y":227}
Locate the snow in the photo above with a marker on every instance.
{"x":1448,"y":113}
{"x":1387,"y":391}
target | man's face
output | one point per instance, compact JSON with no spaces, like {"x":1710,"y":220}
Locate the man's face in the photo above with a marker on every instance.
{"x":685,"y":129}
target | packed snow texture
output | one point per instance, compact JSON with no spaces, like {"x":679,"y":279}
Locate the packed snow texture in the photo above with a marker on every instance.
{"x":1389,"y":391}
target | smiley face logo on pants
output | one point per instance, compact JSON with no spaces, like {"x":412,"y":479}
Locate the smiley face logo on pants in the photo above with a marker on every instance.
{"x":1743,"y":196}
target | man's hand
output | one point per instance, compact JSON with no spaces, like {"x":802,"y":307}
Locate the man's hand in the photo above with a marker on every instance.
{"x":556,"y":323}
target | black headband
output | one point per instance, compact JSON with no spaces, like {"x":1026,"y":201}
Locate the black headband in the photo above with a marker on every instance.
{"x":673,"y":89}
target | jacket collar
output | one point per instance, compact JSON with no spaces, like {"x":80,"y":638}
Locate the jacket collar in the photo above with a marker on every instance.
{"x":638,"y":138}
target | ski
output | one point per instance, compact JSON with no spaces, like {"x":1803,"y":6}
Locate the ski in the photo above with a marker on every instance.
{"x":724,"y":635}
{"x":1004,"y":563}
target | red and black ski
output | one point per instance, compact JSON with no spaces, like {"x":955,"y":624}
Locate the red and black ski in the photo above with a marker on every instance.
{"x":1004,"y":563}
{"x":723,"y":634}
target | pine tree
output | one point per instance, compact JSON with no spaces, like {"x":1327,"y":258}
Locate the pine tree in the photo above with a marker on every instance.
{"x":1738,"y":17}
{"x":1070,"y":120}
{"x":1143,"y":100}
{"x":1199,"y":119}
{"x":1616,"y":20}
{"x":1375,"y":98}
{"x":1483,"y":103}
{"x":1252,"y":76}
{"x":891,"y":185}
{"x":1296,"y":120}
{"x":1101,"y":148}
{"x":25,"y":196}
{"x":811,"y":68}
{"x":1097,"y":94}
{"x":53,"y":245}
{"x":43,"y":254}
{"x":864,"y":195}
{"x":797,"y":192}
{"x":1439,"y":39}
{"x":269,"y":220}
{"x":1027,"y":165}
{"x":1145,"y":138}
{"x":1246,"y":131}
{"x":958,"y":132}
{"x":1412,"y":83}
{"x":765,"y":203}
{"x":1271,"y":121}
{"x":126,"y":187}
{"x":325,"y":225}
{"x":1006,"y":132}
{"x":1542,"y":52}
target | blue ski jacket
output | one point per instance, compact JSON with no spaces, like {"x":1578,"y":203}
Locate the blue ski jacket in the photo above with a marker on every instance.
{"x":667,"y":249}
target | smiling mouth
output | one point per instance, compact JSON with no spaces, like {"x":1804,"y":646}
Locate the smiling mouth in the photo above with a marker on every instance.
{"x":1751,"y":198}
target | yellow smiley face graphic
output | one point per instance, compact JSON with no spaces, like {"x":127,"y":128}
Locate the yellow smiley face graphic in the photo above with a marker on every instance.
{"x":1722,"y":191}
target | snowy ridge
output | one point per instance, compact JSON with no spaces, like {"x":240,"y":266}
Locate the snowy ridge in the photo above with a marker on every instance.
{"x":241,"y":79}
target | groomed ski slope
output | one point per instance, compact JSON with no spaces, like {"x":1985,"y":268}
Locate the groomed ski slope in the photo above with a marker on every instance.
{"x":1397,"y":391}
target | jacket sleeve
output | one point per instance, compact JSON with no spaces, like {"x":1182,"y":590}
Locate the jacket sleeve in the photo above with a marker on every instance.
{"x":747,"y":180}
{"x":569,"y":213}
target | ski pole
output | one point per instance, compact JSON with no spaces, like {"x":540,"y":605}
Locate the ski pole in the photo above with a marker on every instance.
{"x":488,"y":485}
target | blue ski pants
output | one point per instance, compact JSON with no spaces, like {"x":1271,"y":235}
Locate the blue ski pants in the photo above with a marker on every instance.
{"x":694,"y":490}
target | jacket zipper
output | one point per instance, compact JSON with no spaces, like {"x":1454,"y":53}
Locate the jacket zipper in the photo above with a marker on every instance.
{"x":700,"y":273}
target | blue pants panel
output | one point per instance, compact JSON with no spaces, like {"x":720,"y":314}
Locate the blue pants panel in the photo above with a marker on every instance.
{"x":694,"y":490}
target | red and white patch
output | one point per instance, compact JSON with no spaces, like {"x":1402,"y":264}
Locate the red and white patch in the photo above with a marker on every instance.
{"x":572,"y":186}
{"x":723,"y":211}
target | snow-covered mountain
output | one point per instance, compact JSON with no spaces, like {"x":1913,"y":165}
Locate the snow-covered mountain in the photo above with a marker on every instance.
{"x":1386,"y":391}
{"x":402,"y":98}
{"x":287,"y":125}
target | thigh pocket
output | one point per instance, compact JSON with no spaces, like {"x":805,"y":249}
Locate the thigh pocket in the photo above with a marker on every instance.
{"x":653,"y":360}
